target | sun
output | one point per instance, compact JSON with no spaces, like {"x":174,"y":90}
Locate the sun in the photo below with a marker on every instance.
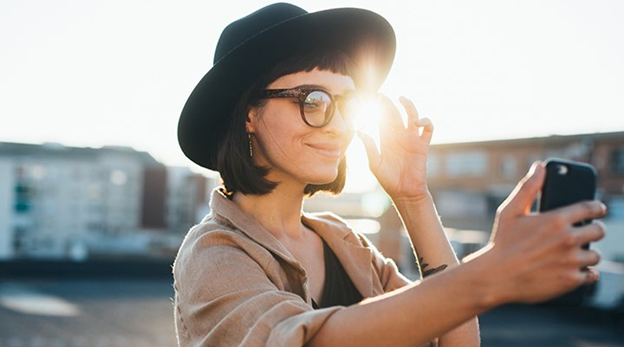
{"x":367,"y":118}
{"x":367,"y":121}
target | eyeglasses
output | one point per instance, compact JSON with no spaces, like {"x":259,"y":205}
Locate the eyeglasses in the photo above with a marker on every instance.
{"x":317,"y":106}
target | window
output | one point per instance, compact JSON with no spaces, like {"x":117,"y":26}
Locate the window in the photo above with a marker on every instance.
{"x":433,"y":165}
{"x":471,"y":164}
{"x":617,"y":161}
{"x":23,"y":195}
{"x":509,"y":167}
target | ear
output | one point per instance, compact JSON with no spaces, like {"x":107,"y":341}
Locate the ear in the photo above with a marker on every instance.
{"x":252,"y":119}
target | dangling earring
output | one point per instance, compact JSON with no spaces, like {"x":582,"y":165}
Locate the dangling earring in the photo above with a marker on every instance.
{"x":250,"y":147}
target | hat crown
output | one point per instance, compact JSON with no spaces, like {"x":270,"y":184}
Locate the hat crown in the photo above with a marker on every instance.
{"x":249,"y":26}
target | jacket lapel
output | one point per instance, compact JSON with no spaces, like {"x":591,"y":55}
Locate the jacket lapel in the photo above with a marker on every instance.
{"x":227,"y":209}
{"x":356,"y":259}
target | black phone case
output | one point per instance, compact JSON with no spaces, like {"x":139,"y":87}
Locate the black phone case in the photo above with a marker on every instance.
{"x":566,"y":183}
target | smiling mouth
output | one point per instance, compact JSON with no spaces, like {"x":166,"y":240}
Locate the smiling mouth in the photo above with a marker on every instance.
{"x":332,"y":152}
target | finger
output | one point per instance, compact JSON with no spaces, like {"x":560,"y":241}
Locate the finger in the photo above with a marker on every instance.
{"x":427,"y":132}
{"x":371,"y":150}
{"x":594,"y":274}
{"x":413,"y":119}
{"x":410,"y":109}
{"x":391,"y":117}
{"x":587,"y":258}
{"x":582,"y":211}
{"x":589,"y":233}
{"x":589,"y":275}
{"x":521,"y":198}
{"x":391,"y":124}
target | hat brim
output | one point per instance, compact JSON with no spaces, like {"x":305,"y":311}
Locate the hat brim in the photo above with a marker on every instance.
{"x":366,"y":37}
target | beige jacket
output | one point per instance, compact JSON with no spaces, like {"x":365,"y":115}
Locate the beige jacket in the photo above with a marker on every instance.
{"x":237,"y":285}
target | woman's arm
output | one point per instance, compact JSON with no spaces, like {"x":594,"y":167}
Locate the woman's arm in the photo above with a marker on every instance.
{"x":401,"y":168}
{"x":411,"y":315}
{"x":530,"y":258}
{"x":432,"y":247}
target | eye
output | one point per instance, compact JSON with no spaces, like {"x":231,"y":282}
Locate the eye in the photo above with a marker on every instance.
{"x":317,"y":100}
{"x":311,"y":104}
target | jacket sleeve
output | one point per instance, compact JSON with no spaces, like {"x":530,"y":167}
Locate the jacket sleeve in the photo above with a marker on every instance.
{"x":225,"y":297}
{"x":389,"y":275}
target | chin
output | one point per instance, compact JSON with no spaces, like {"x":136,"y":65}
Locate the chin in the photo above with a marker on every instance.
{"x":319,"y":177}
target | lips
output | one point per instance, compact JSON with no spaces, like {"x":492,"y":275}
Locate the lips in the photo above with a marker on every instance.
{"x":327,"y":150}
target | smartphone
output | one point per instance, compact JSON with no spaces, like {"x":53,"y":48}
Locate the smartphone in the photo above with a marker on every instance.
{"x":568,"y":182}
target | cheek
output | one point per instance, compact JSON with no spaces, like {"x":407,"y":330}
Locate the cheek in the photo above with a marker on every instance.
{"x":280,"y":136}
{"x":283,"y":139}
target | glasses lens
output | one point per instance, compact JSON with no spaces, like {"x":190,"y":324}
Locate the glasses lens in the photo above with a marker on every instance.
{"x":317,"y":108}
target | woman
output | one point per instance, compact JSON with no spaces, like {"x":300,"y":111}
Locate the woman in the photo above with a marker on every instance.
{"x":274,"y":117}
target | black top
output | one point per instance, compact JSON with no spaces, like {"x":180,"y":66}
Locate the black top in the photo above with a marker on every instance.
{"x":338,"y":290}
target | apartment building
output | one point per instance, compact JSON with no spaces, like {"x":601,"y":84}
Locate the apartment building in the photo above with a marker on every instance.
{"x":472,"y":179}
{"x":59,"y":202}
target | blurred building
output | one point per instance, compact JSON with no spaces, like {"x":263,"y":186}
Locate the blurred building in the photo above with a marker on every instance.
{"x":470,"y":180}
{"x":188,"y":196}
{"x":59,"y":202}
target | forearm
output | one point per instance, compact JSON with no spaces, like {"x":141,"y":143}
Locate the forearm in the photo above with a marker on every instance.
{"x":411,"y":315}
{"x":425,"y":231}
{"x":432,"y":246}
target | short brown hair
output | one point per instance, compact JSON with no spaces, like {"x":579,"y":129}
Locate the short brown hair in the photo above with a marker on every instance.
{"x":234,"y":163}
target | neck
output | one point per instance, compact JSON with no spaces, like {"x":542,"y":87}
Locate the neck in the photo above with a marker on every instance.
{"x":279,"y":211}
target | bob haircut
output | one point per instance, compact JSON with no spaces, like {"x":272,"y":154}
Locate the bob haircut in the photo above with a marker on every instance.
{"x":234,"y":163}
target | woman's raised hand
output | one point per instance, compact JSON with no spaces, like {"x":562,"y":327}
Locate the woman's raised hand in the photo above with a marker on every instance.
{"x":400,"y":164}
{"x":534,"y":257}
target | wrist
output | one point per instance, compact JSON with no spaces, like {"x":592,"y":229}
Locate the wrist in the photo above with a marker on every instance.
{"x":415,"y":197}
{"x":486,"y":279}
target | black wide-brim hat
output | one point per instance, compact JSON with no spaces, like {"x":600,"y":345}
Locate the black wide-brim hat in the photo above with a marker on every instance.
{"x":252,"y":45}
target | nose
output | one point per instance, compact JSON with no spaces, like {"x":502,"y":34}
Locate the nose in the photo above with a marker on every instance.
{"x":338,"y":125}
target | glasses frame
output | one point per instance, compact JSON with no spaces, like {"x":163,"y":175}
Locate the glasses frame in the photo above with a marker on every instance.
{"x":301,"y":94}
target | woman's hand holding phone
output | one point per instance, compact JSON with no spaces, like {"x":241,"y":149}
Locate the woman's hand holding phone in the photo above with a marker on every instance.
{"x":533,"y":257}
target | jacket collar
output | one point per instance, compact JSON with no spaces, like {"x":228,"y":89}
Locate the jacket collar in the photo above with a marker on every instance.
{"x":225,"y":208}
{"x":336,"y":233}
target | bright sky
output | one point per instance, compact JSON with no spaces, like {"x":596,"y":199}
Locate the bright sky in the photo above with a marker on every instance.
{"x":92,"y":73}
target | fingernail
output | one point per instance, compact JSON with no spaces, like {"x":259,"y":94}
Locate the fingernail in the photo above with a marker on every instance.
{"x":594,"y":276}
{"x":604,"y":208}
{"x":533,"y":167}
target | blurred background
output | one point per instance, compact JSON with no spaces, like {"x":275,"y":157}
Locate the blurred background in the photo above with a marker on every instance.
{"x":96,"y":196}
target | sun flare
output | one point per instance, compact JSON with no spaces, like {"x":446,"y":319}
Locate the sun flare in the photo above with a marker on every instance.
{"x":367,"y":121}
{"x":368,"y":118}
